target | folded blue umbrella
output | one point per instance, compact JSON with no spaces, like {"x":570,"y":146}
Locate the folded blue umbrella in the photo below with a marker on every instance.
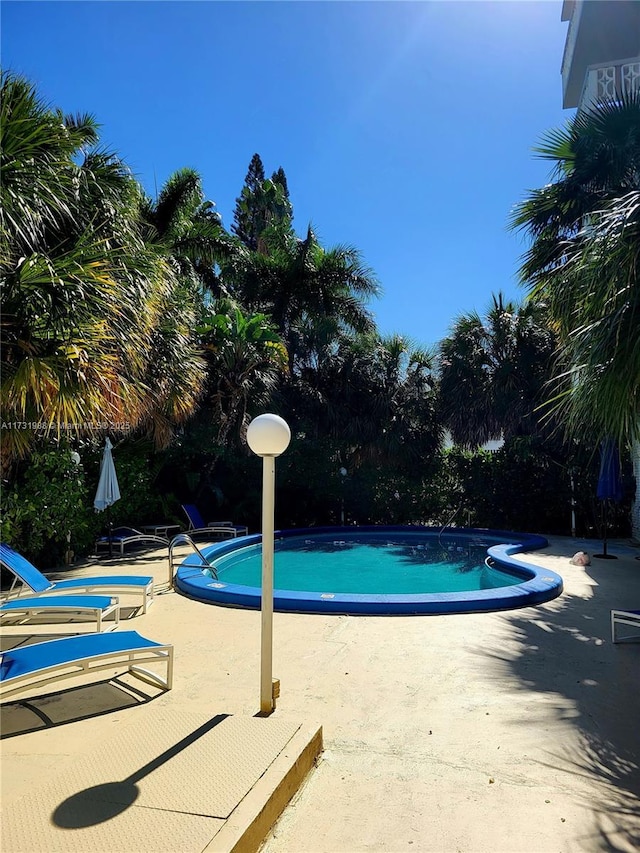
{"x":609,"y":487}
{"x":609,"y":481}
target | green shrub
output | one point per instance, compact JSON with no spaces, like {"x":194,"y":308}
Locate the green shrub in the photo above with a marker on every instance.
{"x":46,"y":510}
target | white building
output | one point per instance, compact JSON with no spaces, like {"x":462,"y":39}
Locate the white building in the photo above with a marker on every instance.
{"x":602,"y":61}
{"x":602,"y":51}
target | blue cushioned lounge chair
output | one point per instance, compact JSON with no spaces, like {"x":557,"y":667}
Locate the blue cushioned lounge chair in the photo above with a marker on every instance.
{"x":41,"y":663}
{"x":215,"y":529}
{"x":122,"y":536}
{"x":29,"y":576}
{"x":624,"y":617}
{"x":45,"y":606}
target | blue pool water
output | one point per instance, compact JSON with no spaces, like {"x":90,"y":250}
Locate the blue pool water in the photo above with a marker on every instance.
{"x":375,"y":570}
{"x":375,"y":563}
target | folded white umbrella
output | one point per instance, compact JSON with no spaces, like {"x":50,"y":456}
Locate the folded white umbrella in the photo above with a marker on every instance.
{"x":108,"y":491}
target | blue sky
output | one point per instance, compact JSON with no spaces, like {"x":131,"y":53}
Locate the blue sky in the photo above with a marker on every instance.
{"x":405,"y":128}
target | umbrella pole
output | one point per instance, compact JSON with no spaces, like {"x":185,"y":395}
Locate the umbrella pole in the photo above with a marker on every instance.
{"x":605,"y":525}
{"x":110,"y":528}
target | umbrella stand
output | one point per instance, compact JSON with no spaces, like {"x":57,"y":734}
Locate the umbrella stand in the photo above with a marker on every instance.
{"x":605,"y":525}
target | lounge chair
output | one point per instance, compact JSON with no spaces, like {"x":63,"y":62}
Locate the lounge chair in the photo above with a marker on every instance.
{"x":29,"y":576}
{"x":215,"y":529}
{"x":41,"y":663}
{"x":98,"y":606}
{"x":624,"y":617}
{"x":121,"y":536}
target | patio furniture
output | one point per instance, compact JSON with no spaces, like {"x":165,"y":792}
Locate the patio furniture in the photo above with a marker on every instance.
{"x":122,"y":536}
{"x":624,"y":617}
{"x":29,"y":576}
{"x":221,"y":529}
{"x":41,"y":663}
{"x":159,"y":529}
{"x":98,"y":606}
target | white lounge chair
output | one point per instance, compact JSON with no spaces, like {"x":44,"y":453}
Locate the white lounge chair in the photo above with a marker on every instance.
{"x":214,"y":529}
{"x":29,"y":576}
{"x":54,"y":660}
{"x":43,"y":606}
{"x":624,"y":617}
{"x":123,"y":536}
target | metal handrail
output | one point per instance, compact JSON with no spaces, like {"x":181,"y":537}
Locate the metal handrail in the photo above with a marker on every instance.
{"x":448,"y":524}
{"x":185,"y":539}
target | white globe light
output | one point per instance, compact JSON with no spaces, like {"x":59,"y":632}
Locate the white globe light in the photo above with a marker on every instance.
{"x":268,"y":435}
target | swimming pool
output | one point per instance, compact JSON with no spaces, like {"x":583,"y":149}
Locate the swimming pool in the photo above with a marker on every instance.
{"x":375,"y":570}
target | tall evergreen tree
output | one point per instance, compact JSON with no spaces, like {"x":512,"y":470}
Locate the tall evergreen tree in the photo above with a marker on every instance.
{"x":263,"y":205}
{"x":245,"y":216}
{"x":280,"y":178}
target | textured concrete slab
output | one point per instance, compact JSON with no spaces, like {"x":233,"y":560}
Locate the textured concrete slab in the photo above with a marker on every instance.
{"x":136,"y":830}
{"x":166,"y":788}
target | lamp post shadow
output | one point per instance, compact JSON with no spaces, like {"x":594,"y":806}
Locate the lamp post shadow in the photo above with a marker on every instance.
{"x":105,"y":801}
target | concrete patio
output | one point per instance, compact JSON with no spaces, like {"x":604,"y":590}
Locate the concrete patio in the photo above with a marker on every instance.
{"x":512,"y":731}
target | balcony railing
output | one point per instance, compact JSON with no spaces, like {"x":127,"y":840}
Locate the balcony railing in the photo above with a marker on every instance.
{"x":608,"y":82}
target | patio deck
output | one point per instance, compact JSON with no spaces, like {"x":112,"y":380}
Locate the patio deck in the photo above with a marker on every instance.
{"x":510,"y":731}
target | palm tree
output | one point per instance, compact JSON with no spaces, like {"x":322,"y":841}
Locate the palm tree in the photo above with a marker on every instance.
{"x":598,"y":314}
{"x":583,"y":263}
{"x":189,"y":230}
{"x":375,"y":397}
{"x":84,"y":296}
{"x":245,"y":358}
{"x":311,"y":293}
{"x":493,"y":371}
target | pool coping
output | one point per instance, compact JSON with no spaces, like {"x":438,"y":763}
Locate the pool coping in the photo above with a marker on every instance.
{"x":539,"y":585}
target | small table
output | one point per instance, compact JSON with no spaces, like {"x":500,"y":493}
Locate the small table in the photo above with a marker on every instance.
{"x":159,"y":529}
{"x":240,"y":529}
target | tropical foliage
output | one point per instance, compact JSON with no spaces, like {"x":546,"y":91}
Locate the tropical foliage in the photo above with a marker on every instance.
{"x":311,"y":293}
{"x":46,"y":509}
{"x":94,"y":319}
{"x":493,"y":371}
{"x":146,"y":318}
{"x":261,"y":206}
{"x":245,"y":357}
{"x":583,"y":263}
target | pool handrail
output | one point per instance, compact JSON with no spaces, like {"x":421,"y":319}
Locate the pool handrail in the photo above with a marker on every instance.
{"x":185,"y":539}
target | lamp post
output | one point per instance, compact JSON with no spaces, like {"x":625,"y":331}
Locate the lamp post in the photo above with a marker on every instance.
{"x":267,"y":436}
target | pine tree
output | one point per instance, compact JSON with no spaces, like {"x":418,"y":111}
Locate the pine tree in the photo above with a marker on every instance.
{"x":247,"y":218}
{"x":280,"y":178}
{"x":262,"y":207}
